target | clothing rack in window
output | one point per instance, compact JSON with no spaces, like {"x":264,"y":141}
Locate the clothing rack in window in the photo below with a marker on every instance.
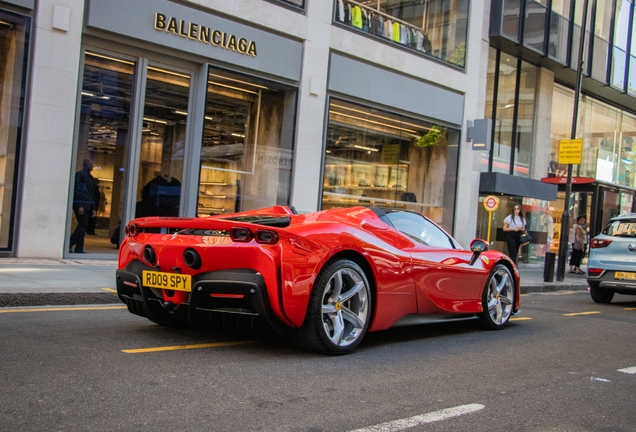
{"x":381,"y":24}
{"x":423,"y":29}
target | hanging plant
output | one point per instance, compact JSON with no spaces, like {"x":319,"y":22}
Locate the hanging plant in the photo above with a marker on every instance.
{"x":435,"y":136}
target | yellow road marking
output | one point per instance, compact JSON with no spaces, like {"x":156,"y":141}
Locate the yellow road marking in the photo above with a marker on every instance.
{"x":630,"y":308}
{"x":182,"y":347}
{"x":110,"y":289}
{"x":63,"y":309}
{"x":580,"y":313}
{"x":520,"y":319}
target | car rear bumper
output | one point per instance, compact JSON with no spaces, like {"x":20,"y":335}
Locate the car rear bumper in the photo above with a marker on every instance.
{"x":237,"y":292}
{"x":607,"y":280}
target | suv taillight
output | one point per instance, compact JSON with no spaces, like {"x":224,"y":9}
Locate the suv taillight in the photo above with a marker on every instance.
{"x":596,"y":243}
{"x":132,"y":230}
{"x":594,"y":271}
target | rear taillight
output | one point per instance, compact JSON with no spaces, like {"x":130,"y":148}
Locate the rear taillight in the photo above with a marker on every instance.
{"x":241,"y":235}
{"x":132,"y":230}
{"x":266,"y":237}
{"x":594,"y":272}
{"x":597,"y":243}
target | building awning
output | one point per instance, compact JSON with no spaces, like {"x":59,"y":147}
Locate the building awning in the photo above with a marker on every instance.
{"x":500,"y":183}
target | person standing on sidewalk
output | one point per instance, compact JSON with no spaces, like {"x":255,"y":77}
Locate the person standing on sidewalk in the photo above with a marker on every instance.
{"x":514,"y":226}
{"x":578,"y":246}
{"x":84,"y":204}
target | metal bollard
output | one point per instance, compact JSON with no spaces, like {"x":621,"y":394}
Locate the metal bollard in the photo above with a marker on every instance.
{"x":548,"y":267}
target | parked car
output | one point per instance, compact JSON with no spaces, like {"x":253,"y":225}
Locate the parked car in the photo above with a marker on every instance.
{"x":322,"y":279}
{"x":611,"y":266}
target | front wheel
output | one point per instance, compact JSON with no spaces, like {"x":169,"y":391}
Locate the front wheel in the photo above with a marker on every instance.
{"x":498,"y":298}
{"x":339,"y":310}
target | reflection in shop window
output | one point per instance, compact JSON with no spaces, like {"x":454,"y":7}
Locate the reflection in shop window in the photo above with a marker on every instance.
{"x":13,"y":49}
{"x":102,"y":139}
{"x":435,"y":27}
{"x":162,"y":143}
{"x":247,"y":146}
{"x":376,"y":158}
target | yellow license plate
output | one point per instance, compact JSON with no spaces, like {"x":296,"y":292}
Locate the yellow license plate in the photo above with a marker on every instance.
{"x":169,"y":281}
{"x":625,"y":275}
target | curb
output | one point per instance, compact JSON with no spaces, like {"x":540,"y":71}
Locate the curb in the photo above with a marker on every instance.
{"x":73,"y":298}
{"x":552,"y":287}
{"x":56,"y":299}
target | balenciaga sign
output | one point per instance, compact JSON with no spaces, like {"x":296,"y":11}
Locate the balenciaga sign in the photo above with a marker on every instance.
{"x":204,"y":34}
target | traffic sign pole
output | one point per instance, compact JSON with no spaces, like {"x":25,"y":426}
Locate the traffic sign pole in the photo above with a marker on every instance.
{"x":490,"y":204}
{"x":565,"y":219}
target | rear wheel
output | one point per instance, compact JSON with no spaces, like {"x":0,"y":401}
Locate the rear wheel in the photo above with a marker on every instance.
{"x":339,"y":310}
{"x":600,"y":295}
{"x":498,"y":298}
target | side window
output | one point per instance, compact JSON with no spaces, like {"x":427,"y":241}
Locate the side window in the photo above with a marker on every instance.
{"x":420,"y":229}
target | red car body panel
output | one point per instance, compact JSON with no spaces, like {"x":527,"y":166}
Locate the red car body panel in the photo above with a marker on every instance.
{"x":406,"y":277}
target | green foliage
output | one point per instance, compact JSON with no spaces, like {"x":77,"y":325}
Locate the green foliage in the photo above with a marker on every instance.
{"x":435,"y":136}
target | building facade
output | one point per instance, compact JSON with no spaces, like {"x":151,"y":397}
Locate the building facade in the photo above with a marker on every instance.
{"x":116,"y":110}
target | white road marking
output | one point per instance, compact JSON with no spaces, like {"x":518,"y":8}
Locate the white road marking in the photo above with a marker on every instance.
{"x":599,"y":379}
{"x":398,"y":425}
{"x":629,"y":370}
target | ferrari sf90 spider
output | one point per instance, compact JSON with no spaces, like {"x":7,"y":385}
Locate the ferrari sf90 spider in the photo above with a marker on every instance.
{"x":322,"y":279}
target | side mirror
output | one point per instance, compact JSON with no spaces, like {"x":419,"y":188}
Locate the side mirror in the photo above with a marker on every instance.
{"x":477,"y":246}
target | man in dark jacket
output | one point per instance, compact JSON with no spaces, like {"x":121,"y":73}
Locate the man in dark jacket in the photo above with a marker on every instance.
{"x":84,"y":204}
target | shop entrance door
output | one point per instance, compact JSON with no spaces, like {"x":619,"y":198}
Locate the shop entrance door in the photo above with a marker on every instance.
{"x":130,"y":149}
{"x":163,"y":141}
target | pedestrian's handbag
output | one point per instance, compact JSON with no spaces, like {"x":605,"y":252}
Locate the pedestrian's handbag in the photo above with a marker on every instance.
{"x":525,"y":238}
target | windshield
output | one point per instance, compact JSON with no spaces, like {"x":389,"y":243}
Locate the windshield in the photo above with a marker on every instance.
{"x":620,"y":229}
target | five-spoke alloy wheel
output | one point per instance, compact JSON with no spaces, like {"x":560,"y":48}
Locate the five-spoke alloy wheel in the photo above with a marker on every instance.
{"x":498,"y":298}
{"x":339,"y":310}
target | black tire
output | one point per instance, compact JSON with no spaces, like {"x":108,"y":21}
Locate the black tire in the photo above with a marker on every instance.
{"x":498,"y":298}
{"x":339,"y":310}
{"x":600,"y":295}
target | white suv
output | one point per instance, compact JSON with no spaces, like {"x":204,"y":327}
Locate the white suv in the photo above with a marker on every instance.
{"x":611,"y":267}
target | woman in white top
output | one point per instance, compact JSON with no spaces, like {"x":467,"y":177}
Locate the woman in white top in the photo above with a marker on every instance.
{"x":578,"y":246}
{"x":514,"y":225}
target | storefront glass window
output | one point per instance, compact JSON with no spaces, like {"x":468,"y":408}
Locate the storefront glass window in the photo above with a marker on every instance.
{"x":601,"y":130}
{"x":14,"y":38}
{"x":511,"y":19}
{"x":502,"y":143}
{"x":621,"y":33}
{"x":103,"y":139}
{"x":377,"y":158}
{"x":601,"y":39}
{"x":162,"y":143}
{"x":525,"y":120}
{"x":560,"y":127}
{"x":534,"y":28}
{"x":559,"y":29}
{"x":435,"y":27}
{"x":247,"y":147}
{"x":626,"y":162}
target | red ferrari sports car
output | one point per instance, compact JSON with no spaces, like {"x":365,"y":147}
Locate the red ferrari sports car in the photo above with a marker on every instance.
{"x":322,"y":279}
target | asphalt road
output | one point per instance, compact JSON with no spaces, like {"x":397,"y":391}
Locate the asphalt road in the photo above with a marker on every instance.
{"x":83,"y":368}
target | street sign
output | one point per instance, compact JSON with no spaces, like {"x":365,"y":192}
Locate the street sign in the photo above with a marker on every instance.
{"x":570,"y":151}
{"x":564,"y":180}
{"x":491,"y":203}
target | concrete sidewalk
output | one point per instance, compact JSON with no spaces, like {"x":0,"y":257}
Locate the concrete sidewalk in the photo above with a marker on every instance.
{"x":39,"y":282}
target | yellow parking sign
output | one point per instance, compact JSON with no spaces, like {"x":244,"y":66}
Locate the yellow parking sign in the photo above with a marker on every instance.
{"x":570,"y":151}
